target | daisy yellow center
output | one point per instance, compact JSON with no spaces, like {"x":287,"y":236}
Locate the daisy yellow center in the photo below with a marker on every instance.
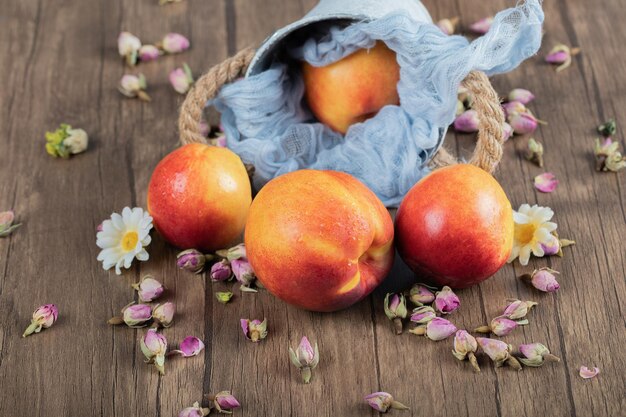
{"x":129,"y":241}
{"x":525,"y":233}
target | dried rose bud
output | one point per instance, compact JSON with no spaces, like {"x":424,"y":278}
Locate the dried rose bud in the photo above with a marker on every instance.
{"x":254,"y":330}
{"x":436,"y":329}
{"x":482,"y":26}
{"x":587,"y":373}
{"x":499,"y":352}
{"x":521,"y":95}
{"x":66,"y":141}
{"x":44,"y":317}
{"x":136,"y":315}
{"x":523,"y":123}
{"x":608,"y":156}
{"x":446,"y":301}
{"x":608,"y":129}
{"x":500,"y":326}
{"x":243,"y":273}
{"x":305,"y":358}
{"x":191,"y":260}
{"x":236,"y":252}
{"x":190,"y":346}
{"x":546,"y":182}
{"x":77,"y":141}
{"x":561,"y":55}
{"x":615,"y":162}
{"x":148,"y":53}
{"x":395,"y":310}
{"x":514,"y":107}
{"x":423,"y":315}
{"x":6,"y":223}
{"x":420,"y":295}
{"x":134,"y":86}
{"x":535,"y":354}
{"x":448,"y":26}
{"x":508,"y":131}
{"x":467,"y":122}
{"x":553,"y":247}
{"x":194,"y":411}
{"x":465,"y":347}
{"x":543,"y":279}
{"x":174,"y":43}
{"x":518,"y":309}
{"x":224,"y":402}
{"x":224,"y":297}
{"x":220,"y":271}
{"x":154,"y":346}
{"x":383,"y":401}
{"x":163,"y":314}
{"x":128,"y":46}
{"x":535,"y":152}
{"x":181,"y":79}
{"x":149,"y":289}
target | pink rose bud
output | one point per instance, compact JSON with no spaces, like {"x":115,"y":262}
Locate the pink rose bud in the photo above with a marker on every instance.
{"x":191,"y":260}
{"x":220,"y":271}
{"x":553,"y":247}
{"x":546,"y":182}
{"x":482,"y":26}
{"x":44,"y":317}
{"x":499,"y":352}
{"x":543,"y":279}
{"x":395,"y":310}
{"x":181,"y":79}
{"x":523,"y":123}
{"x":502,"y":326}
{"x":383,"y":401}
{"x":236,"y":252}
{"x":174,"y":43}
{"x":508,"y":131}
{"x":154,"y":346}
{"x":512,"y":107}
{"x":148,"y":53}
{"x":305,"y":358}
{"x":436,"y":329}
{"x":587,"y":373}
{"x":149,"y":289}
{"x":467,"y":122}
{"x":190,"y":346}
{"x":561,"y":55}
{"x":163,"y":314}
{"x":608,"y":155}
{"x":134,"y":86}
{"x":448,"y":26}
{"x":518,"y":309}
{"x":535,"y":354}
{"x":521,"y":95}
{"x":6,"y":223}
{"x":243,"y":272}
{"x":136,"y":315}
{"x":224,"y":402}
{"x":423,"y":315}
{"x":420,"y":295}
{"x":128,"y":46}
{"x":194,"y":411}
{"x":465,"y":347}
{"x":446,"y":301}
{"x":254,"y":330}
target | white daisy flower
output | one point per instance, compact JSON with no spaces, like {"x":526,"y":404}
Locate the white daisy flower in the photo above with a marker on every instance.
{"x":533,"y":229}
{"x":124,"y":238}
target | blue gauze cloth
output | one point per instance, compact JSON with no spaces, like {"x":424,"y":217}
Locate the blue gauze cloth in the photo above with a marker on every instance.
{"x":267,"y":123}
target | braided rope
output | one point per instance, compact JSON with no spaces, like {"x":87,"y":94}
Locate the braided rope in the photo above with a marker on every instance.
{"x":486,"y":102}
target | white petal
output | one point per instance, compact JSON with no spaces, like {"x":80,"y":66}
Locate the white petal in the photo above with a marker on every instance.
{"x":543,"y":235}
{"x":143,"y":232}
{"x":538,"y":250}
{"x":126,"y":214}
{"x":524,"y":255}
{"x":143,"y":255}
{"x":146,"y":241}
{"x":549,"y":226}
{"x":520,"y":218}
{"x":136,"y":216}
{"x":128,"y":260}
{"x":118,"y":222}
{"x":107,"y":242}
{"x":514,"y":253}
{"x":524,"y":208}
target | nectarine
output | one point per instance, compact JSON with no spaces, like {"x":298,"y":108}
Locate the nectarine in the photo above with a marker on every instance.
{"x":199,"y":197}
{"x":320,"y":240}
{"x":354,"y":88}
{"x":455,"y":226}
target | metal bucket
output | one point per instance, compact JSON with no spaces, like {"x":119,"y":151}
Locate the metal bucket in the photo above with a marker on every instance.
{"x":333,"y":12}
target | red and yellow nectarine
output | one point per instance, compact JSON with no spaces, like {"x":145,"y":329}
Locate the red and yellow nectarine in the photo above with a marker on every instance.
{"x":199,"y":197}
{"x":455,"y":226}
{"x":354,"y":88}
{"x":320,"y":240}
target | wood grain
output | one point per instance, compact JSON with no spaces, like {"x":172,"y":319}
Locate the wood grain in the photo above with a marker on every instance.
{"x":58,"y":63}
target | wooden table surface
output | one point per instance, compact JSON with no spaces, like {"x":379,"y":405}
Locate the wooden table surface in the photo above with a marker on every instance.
{"x":58,"y":63}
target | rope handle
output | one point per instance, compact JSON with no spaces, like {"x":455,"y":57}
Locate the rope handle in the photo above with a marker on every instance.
{"x":487,"y":154}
